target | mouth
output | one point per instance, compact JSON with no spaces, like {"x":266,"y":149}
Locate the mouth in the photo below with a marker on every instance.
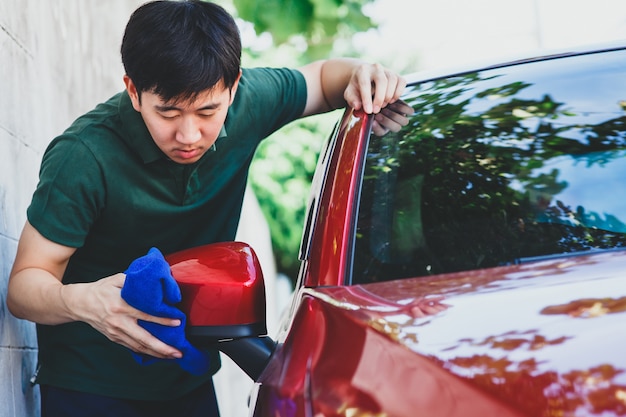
{"x":186,"y":154}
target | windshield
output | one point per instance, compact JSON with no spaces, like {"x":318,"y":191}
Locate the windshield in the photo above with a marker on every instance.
{"x":497,"y":167}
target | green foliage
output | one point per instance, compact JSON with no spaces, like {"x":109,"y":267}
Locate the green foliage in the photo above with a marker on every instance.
{"x":319,"y":22}
{"x":282,"y":18}
{"x":281,"y":176}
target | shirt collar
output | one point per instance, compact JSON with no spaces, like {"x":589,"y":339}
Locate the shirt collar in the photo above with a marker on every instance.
{"x":136,"y":134}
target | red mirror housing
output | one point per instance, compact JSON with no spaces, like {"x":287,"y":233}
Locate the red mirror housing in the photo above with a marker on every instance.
{"x":223,"y":292}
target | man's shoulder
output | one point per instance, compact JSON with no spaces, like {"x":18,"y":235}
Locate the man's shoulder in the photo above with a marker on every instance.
{"x":103,"y":119}
{"x":112,"y":131}
{"x":267,"y":87}
{"x":267,"y":99}
{"x":262,"y":75}
{"x":100,"y":128}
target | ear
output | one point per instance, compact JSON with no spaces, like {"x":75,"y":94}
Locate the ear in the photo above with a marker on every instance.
{"x":233,"y":90}
{"x":132,"y":93}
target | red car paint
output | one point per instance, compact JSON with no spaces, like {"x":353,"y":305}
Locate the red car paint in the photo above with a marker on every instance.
{"x":332,"y":239}
{"x":213,"y":277}
{"x":536,"y":350}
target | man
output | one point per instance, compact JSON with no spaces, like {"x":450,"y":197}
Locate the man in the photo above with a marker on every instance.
{"x":163,"y":164}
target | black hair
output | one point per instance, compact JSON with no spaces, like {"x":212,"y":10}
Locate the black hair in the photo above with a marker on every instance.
{"x":177,"y":49}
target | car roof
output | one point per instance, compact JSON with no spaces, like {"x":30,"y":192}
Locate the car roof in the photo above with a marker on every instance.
{"x":537,"y":55}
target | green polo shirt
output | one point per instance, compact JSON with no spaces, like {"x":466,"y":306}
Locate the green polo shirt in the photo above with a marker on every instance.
{"x":106,"y":189}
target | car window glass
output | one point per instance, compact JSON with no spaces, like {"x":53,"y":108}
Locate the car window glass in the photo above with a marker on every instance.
{"x":498,"y":167}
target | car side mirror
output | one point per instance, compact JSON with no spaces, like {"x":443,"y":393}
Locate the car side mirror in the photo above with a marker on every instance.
{"x":223,"y":297}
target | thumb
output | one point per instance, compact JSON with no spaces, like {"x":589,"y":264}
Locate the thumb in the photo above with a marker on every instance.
{"x":117,"y":280}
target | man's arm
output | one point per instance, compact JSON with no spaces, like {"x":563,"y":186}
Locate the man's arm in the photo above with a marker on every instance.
{"x":333,"y":83}
{"x":36,"y":293}
{"x":35,"y":290}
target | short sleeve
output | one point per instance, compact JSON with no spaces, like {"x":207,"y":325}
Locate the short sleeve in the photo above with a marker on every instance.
{"x":70,"y":193}
{"x":270,"y":98}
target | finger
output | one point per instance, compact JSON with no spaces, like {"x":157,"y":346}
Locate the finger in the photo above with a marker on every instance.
{"x":395,"y":86}
{"x":378,"y":129}
{"x":380,"y":80}
{"x":147,"y":344}
{"x":401,"y":107}
{"x":117,"y":280}
{"x":392,"y":86}
{"x":361,"y":91}
{"x":384,"y":123}
{"x":400,"y":86}
{"x":397,"y":120}
{"x":352,"y":97}
{"x":165,"y":321}
{"x":140,"y":340}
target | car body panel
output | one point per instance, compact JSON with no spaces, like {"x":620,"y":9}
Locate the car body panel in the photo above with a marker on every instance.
{"x":332,"y":239}
{"x":211,"y":275}
{"x":510,"y":342}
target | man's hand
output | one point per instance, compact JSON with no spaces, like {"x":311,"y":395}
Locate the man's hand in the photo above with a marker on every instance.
{"x":392,"y":118}
{"x":335,"y":83}
{"x":100,"y":305}
{"x":372,"y":87}
{"x":36,"y":293}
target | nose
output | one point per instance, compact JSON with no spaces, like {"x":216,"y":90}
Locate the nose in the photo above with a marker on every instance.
{"x":188,"y":131}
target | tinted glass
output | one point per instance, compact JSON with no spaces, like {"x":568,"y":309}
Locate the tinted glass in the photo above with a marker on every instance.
{"x":498,"y":167}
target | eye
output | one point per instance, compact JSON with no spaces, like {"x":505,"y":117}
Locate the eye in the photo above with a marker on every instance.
{"x":169,"y":116}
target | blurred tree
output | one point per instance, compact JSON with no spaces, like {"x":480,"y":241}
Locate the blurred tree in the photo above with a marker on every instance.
{"x":281,"y":176}
{"x":318,"y":22}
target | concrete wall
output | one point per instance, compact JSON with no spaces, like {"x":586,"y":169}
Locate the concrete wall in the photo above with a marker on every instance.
{"x":58,"y":58}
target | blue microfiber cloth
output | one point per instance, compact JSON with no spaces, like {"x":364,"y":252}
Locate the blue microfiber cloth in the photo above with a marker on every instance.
{"x":151,"y":288}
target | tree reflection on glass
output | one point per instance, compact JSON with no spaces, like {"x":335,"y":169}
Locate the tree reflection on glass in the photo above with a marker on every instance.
{"x":495,"y":167}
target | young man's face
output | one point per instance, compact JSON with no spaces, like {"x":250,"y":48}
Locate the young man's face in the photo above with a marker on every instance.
{"x":184,"y":131}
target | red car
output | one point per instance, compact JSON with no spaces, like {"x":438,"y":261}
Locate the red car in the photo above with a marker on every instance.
{"x":471,"y":264}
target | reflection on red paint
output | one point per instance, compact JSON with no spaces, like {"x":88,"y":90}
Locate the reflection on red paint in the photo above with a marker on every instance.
{"x":211,"y":275}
